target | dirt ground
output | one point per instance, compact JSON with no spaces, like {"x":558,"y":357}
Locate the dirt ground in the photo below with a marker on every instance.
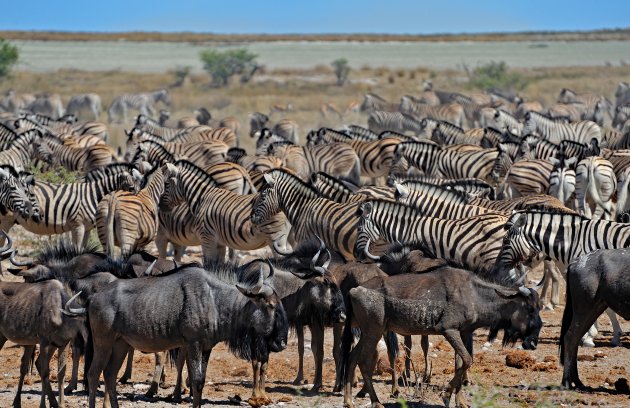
{"x":494,"y":384}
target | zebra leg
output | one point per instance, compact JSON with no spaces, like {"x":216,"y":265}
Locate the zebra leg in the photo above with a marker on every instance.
{"x":161,"y":243}
{"x":178,"y":252}
{"x":79,"y":236}
{"x":616,"y":341}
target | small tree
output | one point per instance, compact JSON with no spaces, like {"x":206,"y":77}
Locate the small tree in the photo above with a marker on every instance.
{"x":496,"y":75}
{"x":222,"y":65}
{"x":342,"y":70}
{"x":8,"y":57}
{"x":181,"y":74}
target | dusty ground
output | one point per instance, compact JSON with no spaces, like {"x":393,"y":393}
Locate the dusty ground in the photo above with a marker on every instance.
{"x":494,"y":383}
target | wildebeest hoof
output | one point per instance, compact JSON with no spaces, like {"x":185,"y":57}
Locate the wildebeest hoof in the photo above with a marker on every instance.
{"x":299,"y":381}
{"x":124,"y":380}
{"x":361,"y":394}
{"x":316,"y":387}
{"x":69,"y":389}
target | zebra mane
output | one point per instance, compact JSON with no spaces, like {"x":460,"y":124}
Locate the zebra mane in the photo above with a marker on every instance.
{"x":232,"y":273}
{"x":148,"y":176}
{"x":375,"y":96}
{"x":196,"y":170}
{"x":10,"y":169}
{"x":7,"y":129}
{"x":292,"y":178}
{"x":449,"y":126}
{"x":546,"y":209}
{"x":64,"y":251}
{"x":282,"y":143}
{"x":561,"y":119}
{"x":419,"y":184}
{"x":331,"y":181}
{"x":109,"y":170}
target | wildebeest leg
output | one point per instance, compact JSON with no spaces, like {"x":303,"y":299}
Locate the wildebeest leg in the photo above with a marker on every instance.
{"x":119,"y":351}
{"x":157,"y":375}
{"x":179,"y":364}
{"x":337,"y":330}
{"x":256,"y":370}
{"x":428,"y":368}
{"x":367,"y":365}
{"x":197,"y":375}
{"x":103,"y":346}
{"x":27,"y":356}
{"x":62,"y":355}
{"x":455,"y":340}
{"x":299,"y":331}
{"x":263,"y":379}
{"x":616,"y":327}
{"x":45,"y":353}
{"x":317,"y":347}
{"x":391,"y":341}
{"x":76,"y":359}
{"x":128,"y":368}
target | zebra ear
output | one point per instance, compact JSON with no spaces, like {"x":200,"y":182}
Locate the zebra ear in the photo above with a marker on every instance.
{"x":269,"y":179}
{"x":171,"y":170}
{"x":571,"y":161}
{"x":554,"y":161}
{"x":497,"y":114}
{"x":4,"y":174}
{"x":29,"y":180}
{"x":528,"y":116}
{"x":366,"y":209}
{"x":401,"y":191}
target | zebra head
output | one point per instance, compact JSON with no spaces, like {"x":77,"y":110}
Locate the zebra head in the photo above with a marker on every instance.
{"x":266,"y":203}
{"x":367,"y":232}
{"x":163,"y":95}
{"x":516,"y":250}
{"x":134,"y":137}
{"x":529,"y":125}
{"x":28,"y":182}
{"x":502,"y":163}
{"x":13,"y":193}
{"x":173,"y":189}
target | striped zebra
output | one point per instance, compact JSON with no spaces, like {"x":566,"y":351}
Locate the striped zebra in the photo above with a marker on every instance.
{"x":381,"y":121}
{"x":554,"y":131}
{"x":87,"y":134}
{"x":129,"y":219}
{"x":23,"y":150}
{"x":595,"y":185}
{"x":335,"y":189}
{"x":90,"y":102}
{"x":142,"y":102}
{"x":69,"y":207}
{"x":594,"y":105}
{"x":13,"y":102}
{"x":47,"y":104}
{"x":287,"y":129}
{"x":373,"y":102}
{"x":74,"y":157}
{"x":562,"y":180}
{"x":307,"y":212}
{"x":526,"y":177}
{"x":622,"y":115}
{"x":175,"y":226}
{"x":203,"y":154}
{"x":376,"y":157}
{"x":7,"y":136}
{"x":473,"y":186}
{"x":472,"y":242}
{"x":15,"y":193}
{"x":622,"y":94}
{"x":573,"y":111}
{"x":446,"y":133}
{"x":504,"y":122}
{"x":221,"y":218}
{"x":337,"y":159}
{"x":360,"y":133}
{"x":253,"y":163}
{"x":451,"y":112}
{"x":436,"y":161}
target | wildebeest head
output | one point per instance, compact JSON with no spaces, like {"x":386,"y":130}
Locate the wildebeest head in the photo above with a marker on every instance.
{"x":523,"y":317}
{"x":264,"y":326}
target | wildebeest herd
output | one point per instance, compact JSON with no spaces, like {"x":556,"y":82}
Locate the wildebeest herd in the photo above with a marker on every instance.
{"x":425,"y":222}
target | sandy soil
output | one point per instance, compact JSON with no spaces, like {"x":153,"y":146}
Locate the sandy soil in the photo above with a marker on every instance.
{"x":494,"y":383}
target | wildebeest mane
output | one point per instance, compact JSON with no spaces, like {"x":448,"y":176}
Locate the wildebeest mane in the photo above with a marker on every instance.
{"x":63,"y":251}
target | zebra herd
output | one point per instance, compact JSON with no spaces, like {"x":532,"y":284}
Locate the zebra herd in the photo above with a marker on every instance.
{"x":488,"y":183}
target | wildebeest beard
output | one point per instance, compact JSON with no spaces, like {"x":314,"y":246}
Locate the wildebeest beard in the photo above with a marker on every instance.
{"x":510,"y":335}
{"x":245,"y":343}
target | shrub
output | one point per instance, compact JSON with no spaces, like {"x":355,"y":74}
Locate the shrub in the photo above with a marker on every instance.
{"x":496,"y":75}
{"x":342,"y":70}
{"x":181,"y":74}
{"x":8,"y":57}
{"x":222,"y":65}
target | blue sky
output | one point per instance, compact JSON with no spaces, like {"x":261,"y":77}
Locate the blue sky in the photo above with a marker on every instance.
{"x":314,"y":16}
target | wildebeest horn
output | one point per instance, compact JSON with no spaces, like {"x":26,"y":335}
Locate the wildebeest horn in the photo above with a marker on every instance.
{"x":259,"y":285}
{"x":276,"y":247}
{"x":367,"y":253}
{"x":322,"y":245}
{"x":325,"y":264}
{"x":9,"y":244}
{"x":315,"y":259}
{"x":150,"y":268}
{"x":19,"y":263}
{"x":73,"y":312}
{"x":524,"y":291}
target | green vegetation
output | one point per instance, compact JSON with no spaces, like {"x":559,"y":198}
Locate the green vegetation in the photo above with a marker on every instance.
{"x":58,"y":175}
{"x":496,"y":75}
{"x":181,"y":74}
{"x":342,"y":70}
{"x":222,"y":65}
{"x":8,"y":57}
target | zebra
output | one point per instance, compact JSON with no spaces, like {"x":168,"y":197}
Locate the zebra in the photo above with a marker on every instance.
{"x":90,"y":102}
{"x":451,"y":112}
{"x":201,"y":153}
{"x":373,"y":102}
{"x":595,"y":105}
{"x":622,"y":115}
{"x":473,"y":186}
{"x":360,"y":133}
{"x":73,"y":156}
{"x":562,"y":236}
{"x":15,"y":193}
{"x":337,"y":159}
{"x":562,"y":179}
{"x":69,"y":207}
{"x":129,"y":219}
{"x":380,"y":121}
{"x":221,"y":218}
{"x":526,"y":177}
{"x":23,"y":150}
{"x":436,"y":161}
{"x":287,"y":129}
{"x":622,"y":94}
{"x":504,"y":122}
{"x":47,"y":104}
{"x":253,"y":163}
{"x":175,"y":226}
{"x":141,"y":101}
{"x":87,"y":134}
{"x":472,"y":242}
{"x":446,"y":133}
{"x":146,"y":127}
{"x":15,"y":103}
{"x":377,"y":157}
{"x":307,"y":212}
{"x":573,"y":111}
{"x":554,"y":131}
{"x":595,"y":186}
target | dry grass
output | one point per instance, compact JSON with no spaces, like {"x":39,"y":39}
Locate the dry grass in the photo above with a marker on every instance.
{"x":306,"y":90}
{"x":596,"y":35}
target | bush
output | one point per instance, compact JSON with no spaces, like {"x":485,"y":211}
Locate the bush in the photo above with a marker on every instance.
{"x":222,"y":65}
{"x":342,"y":70}
{"x":496,"y":75}
{"x":181,"y":74}
{"x":8,"y":57}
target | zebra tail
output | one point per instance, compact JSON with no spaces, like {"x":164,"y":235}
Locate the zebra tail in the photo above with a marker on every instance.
{"x":109,"y":228}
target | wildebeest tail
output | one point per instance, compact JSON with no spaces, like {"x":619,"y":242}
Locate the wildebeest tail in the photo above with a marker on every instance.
{"x":172,"y":356}
{"x":89,"y":352}
{"x":567,"y":316}
{"x":347,"y":338}
{"x":391,"y":341}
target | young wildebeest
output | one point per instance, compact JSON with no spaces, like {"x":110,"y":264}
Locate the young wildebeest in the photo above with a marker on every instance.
{"x":595,"y":281}
{"x":450,"y":302}
{"x":31,"y":314}
{"x":245,"y":313}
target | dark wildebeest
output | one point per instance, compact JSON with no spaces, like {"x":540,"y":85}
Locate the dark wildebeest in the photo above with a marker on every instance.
{"x":450,"y":302}
{"x":32,"y":314}
{"x":244,"y":312}
{"x":595,"y":281}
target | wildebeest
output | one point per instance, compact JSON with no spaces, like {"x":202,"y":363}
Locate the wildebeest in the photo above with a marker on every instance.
{"x":450,"y":302}
{"x":246,"y":313}
{"x":595,"y":281}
